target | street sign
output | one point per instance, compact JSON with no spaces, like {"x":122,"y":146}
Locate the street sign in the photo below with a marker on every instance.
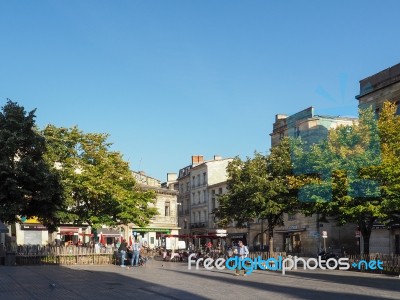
{"x":358,"y":234}
{"x":220,"y":231}
{"x":324,"y":234}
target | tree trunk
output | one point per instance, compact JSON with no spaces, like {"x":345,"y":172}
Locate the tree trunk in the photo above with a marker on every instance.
{"x":366,"y":229}
{"x":271,"y":239}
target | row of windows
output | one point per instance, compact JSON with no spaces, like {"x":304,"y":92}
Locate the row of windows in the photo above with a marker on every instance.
{"x":213,"y":205}
{"x":202,"y":196}
{"x":199,"y":182}
{"x":187,"y":187}
{"x":199,"y":197}
{"x":199,"y":216}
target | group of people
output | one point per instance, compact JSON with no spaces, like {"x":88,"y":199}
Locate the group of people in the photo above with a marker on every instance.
{"x":125,"y":250}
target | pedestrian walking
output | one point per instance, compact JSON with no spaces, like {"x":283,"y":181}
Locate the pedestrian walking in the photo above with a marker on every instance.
{"x":243,"y":251}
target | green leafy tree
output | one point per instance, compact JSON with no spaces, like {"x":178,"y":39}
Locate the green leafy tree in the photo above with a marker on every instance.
{"x":345,"y":163}
{"x":388,"y":174}
{"x":27,"y":185}
{"x":98,"y":185}
{"x":258,"y":188}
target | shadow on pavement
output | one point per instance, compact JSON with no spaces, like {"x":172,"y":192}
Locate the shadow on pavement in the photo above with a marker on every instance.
{"x":350,"y":278}
{"x":298,"y":292}
{"x":56,"y":282}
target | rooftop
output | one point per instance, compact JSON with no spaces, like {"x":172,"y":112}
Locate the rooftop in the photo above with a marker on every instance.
{"x":379,"y":80}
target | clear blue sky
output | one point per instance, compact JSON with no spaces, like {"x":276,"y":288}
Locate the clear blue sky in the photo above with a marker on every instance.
{"x":171,"y":79}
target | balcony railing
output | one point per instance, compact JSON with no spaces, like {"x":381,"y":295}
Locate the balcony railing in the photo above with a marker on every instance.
{"x":199,"y":225}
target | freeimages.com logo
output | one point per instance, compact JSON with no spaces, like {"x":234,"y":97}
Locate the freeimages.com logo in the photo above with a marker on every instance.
{"x":282,"y":264}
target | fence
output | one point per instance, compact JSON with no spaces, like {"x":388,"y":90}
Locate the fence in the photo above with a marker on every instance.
{"x":36,"y":255}
{"x":70,"y":255}
{"x":266,"y":255}
{"x":391,"y":263}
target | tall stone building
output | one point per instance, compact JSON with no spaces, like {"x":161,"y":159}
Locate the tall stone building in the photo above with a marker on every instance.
{"x":199,"y":186}
{"x":301,"y":234}
{"x":306,"y":125}
{"x":382,"y":86}
{"x":184,"y":200}
{"x":374,"y":90}
{"x":166,"y":222}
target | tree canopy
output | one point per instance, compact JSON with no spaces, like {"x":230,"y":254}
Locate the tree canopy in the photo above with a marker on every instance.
{"x":98,"y":185}
{"x":27,"y":185}
{"x":358,"y":171}
{"x":258,"y":188}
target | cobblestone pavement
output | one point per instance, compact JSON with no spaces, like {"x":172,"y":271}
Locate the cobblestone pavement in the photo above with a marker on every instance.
{"x":165,"y":280}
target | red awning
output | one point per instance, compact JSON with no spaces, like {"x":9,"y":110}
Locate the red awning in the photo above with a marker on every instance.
{"x":69,"y":230}
{"x":200,"y":236}
{"x":87,"y":234}
{"x":66,"y":233}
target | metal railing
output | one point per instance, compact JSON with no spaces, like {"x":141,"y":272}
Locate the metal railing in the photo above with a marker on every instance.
{"x":390,"y":263}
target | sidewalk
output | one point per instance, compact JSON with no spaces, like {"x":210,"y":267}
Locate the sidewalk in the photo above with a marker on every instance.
{"x":168,"y":280}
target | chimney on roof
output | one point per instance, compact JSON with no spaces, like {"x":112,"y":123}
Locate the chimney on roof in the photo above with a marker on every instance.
{"x":171,"y":177}
{"x":280,"y":117}
{"x":197,"y":159}
{"x":217,"y":157}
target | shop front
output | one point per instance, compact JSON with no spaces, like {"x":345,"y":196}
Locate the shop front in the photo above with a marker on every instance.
{"x":109,"y":237}
{"x":31,"y":232}
{"x":68,"y":235}
{"x":151,"y":237}
{"x":234,"y":238}
{"x":291,"y":240}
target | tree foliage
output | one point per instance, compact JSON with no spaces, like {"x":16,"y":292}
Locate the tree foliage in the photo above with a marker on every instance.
{"x":98,"y":185}
{"x":351,"y":164}
{"x":388,"y":175}
{"x":27,"y":185}
{"x":258,"y":188}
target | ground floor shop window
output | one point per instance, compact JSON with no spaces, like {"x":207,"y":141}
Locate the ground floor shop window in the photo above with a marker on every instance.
{"x":292,"y":243}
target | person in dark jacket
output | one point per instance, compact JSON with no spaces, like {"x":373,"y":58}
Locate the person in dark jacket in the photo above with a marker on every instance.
{"x":122,"y":249}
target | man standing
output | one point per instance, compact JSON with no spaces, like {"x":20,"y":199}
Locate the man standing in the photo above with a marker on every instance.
{"x":242,"y":253}
{"x":136,"y":252}
{"x":122,"y":249}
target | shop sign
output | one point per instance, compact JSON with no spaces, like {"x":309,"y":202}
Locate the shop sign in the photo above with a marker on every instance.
{"x":33,"y":227}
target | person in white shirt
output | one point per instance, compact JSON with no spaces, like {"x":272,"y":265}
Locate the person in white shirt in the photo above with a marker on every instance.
{"x":242,"y":253}
{"x":136,"y":252}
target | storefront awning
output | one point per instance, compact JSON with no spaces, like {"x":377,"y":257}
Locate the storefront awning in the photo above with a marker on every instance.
{"x":289,"y":230}
{"x":87,"y":234}
{"x":149,"y":229}
{"x":69,"y":230}
{"x":236,"y":235}
{"x":109,"y":232}
{"x":194,"y":236}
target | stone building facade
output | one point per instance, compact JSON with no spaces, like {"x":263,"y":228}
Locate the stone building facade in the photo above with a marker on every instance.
{"x":166,"y":222}
{"x":199,"y":186}
{"x":184,"y":200}
{"x":382,"y":86}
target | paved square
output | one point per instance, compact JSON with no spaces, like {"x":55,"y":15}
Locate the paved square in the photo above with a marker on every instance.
{"x":165,"y":280}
